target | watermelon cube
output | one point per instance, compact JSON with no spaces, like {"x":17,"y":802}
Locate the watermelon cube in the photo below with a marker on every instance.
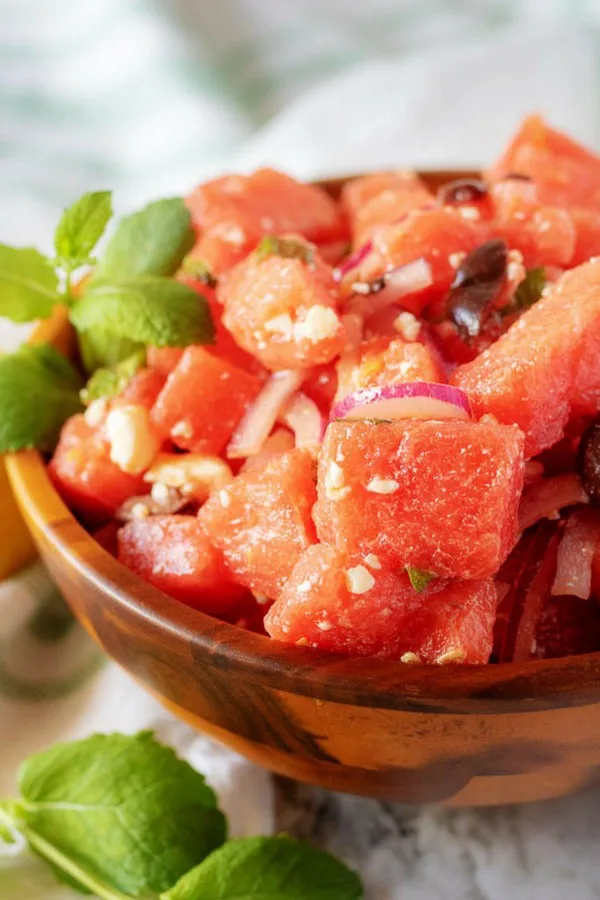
{"x":440,"y":496}
{"x":174,"y":554}
{"x":359,"y":609}
{"x":382,"y":199}
{"x":262,"y":523}
{"x":283,"y":310}
{"x":546,"y":366}
{"x":382,"y":361}
{"x":203,"y":400}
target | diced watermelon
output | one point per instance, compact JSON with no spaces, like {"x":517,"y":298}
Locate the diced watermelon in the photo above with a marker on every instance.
{"x":174,"y":554}
{"x":321,"y":387}
{"x":234,"y":212}
{"x":440,"y":496}
{"x":144,"y":387}
{"x":283,"y":311}
{"x":382,"y":199}
{"x":566,"y":174}
{"x":262,"y":522}
{"x":203,"y":400}
{"x":546,"y":365}
{"x":450,"y":622}
{"x":434,"y":235}
{"x":567,"y":626}
{"x":85,"y":477}
{"x":164,"y":359}
{"x":383,"y":361}
{"x":587,"y":232}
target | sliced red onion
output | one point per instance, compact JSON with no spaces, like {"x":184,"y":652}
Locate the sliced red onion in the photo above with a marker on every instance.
{"x":278,"y":442}
{"x":353,"y":261}
{"x":303,"y":417}
{"x":397,"y":283}
{"x":257,"y":423}
{"x":545,"y":499}
{"x":576,"y":554}
{"x":415,"y":400}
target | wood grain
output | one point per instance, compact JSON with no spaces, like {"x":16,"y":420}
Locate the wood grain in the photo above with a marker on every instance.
{"x":458,"y":735}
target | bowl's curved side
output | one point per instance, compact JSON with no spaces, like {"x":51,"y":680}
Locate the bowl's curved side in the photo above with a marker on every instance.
{"x":419,"y":734}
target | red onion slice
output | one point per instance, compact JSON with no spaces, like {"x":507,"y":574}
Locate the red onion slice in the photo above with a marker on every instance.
{"x":353,"y":261}
{"x":257,"y":423}
{"x":415,"y":400}
{"x":397,"y":283}
{"x":544,"y":499}
{"x":303,"y":417}
{"x":576,"y":554}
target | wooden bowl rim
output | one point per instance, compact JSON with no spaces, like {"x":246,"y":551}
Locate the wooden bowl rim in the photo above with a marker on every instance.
{"x":369,"y":682}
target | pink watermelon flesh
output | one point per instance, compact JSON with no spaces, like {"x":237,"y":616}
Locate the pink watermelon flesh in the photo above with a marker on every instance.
{"x":450,"y":622}
{"x":440,"y":496}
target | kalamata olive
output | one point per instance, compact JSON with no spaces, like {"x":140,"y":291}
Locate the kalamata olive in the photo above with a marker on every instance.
{"x":476,"y":286}
{"x":462,"y":190}
{"x":588,"y":462}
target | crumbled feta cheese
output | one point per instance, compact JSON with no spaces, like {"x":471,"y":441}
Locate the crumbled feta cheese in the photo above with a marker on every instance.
{"x":133,"y":443}
{"x":96,"y":411}
{"x":140,"y":511}
{"x":261,"y":599}
{"x":182,"y":429}
{"x":224,"y":498}
{"x":359,"y":580}
{"x":304,"y":586}
{"x":281,"y":325}
{"x":320,"y":323}
{"x":469,"y":212}
{"x":190,"y":473}
{"x":382,"y":486}
{"x":455,"y":654}
{"x":160,"y":493}
{"x":372,"y":561}
{"x":410,"y":658}
{"x":334,"y":483}
{"x":455,"y":259}
{"x":408,"y":326}
{"x":301,"y":642}
{"x":324,"y":626}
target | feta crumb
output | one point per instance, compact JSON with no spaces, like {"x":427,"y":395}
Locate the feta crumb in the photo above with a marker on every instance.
{"x":410,"y":658}
{"x":372,"y":561}
{"x":261,"y":599}
{"x":133,"y":443}
{"x":382,"y":486}
{"x":359,"y":580}
{"x":455,"y":259}
{"x":320,"y":323}
{"x":233,"y":234}
{"x":182,"y":429}
{"x":455,"y":654}
{"x":469,"y":212}
{"x":140,"y":511}
{"x":281,"y":325}
{"x":324,"y":626}
{"x":408,"y":326}
{"x":224,"y":498}
{"x":334,"y":483}
{"x":96,"y":411}
{"x":160,"y":493}
{"x":304,"y":587}
{"x":301,"y":642}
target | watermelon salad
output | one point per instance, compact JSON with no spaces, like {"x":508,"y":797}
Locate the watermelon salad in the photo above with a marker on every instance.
{"x":392,"y":446}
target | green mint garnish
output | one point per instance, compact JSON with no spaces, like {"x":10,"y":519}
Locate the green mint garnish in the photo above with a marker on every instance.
{"x":286,"y":247}
{"x":80,"y":228}
{"x":268,"y":868}
{"x":420,"y":579}
{"x":39,"y":390}
{"x":199,"y":270}
{"x":148,"y":309}
{"x":28,"y":284}
{"x":530,"y":289}
{"x":110,"y":380}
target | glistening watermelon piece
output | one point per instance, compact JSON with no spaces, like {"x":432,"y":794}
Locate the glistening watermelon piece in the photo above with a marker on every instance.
{"x":450,"y":622}
{"x":440,"y":496}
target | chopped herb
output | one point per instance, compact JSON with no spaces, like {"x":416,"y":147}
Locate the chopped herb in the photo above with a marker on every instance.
{"x":110,"y":380}
{"x":289,"y":248}
{"x":419,"y":578}
{"x":199,"y":270}
{"x":530,"y":289}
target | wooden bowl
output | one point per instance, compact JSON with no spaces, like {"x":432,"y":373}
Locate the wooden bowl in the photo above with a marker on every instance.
{"x":456,"y":735}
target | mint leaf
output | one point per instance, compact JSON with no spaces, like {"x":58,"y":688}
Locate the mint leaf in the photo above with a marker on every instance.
{"x":80,"y":228}
{"x":268,"y":868}
{"x":530,"y":289}
{"x":108,"y":381}
{"x":149,"y":309}
{"x":419,"y":578}
{"x":286,"y":247}
{"x":28,"y":284}
{"x":150,"y":242}
{"x":100,"y":348}
{"x":118,"y":813}
{"x":39,"y":390}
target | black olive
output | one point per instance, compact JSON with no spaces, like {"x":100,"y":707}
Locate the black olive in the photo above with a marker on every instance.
{"x":588,"y":462}
{"x":462,"y":190}
{"x":476,"y":286}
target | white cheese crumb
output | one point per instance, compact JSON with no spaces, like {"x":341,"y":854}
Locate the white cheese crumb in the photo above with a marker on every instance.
{"x":261,"y":599}
{"x":160,"y":493}
{"x":320,"y":323}
{"x":372,"y":561}
{"x":281,"y":325}
{"x":410,"y":658}
{"x":301,"y":642}
{"x":140,"y":511}
{"x":324,"y":626}
{"x":304,"y":587}
{"x":455,"y":259}
{"x":359,"y":580}
{"x":133,"y":443}
{"x":334,"y":483}
{"x":455,"y":654}
{"x":469,"y":212}
{"x":382,"y":486}
{"x":408,"y":326}
{"x":96,"y":411}
{"x":224,"y":498}
{"x":182,"y":429}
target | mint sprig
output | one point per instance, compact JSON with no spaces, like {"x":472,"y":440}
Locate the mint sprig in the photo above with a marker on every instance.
{"x":420,"y":579}
{"x":268,"y":868}
{"x":28,"y":284}
{"x":110,"y":380}
{"x":80,"y":228}
{"x":39,"y":390}
{"x":122,"y":816}
{"x":288,"y":248}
